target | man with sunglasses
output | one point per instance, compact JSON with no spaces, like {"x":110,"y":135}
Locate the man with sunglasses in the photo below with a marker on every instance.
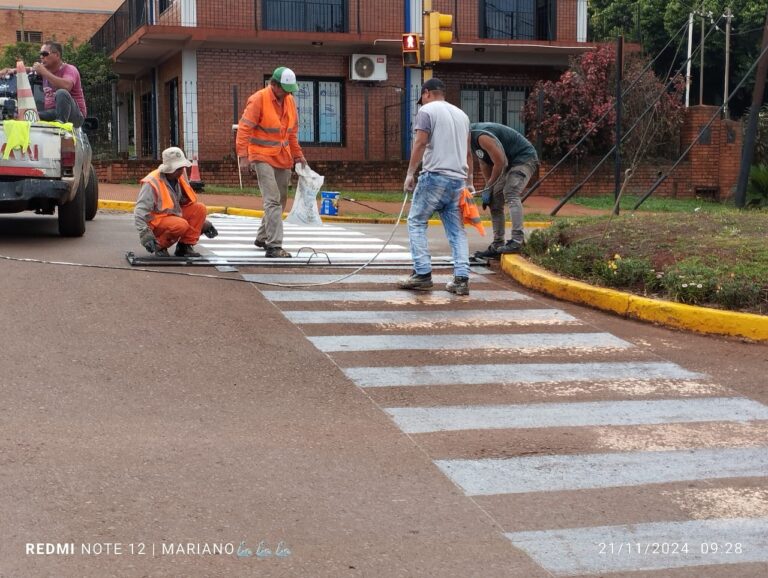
{"x":64,"y":100}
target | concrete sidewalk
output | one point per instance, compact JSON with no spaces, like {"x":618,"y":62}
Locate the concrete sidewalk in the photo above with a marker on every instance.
{"x":251,"y":199}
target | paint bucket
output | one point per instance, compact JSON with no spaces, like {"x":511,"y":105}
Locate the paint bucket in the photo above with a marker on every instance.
{"x":329,"y":203}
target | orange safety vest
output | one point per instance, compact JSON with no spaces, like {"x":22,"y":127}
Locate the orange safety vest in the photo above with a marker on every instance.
{"x":269,"y":136}
{"x":162,"y":191}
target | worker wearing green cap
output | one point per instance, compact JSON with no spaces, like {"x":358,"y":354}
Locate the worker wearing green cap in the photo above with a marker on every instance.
{"x":268,"y":146}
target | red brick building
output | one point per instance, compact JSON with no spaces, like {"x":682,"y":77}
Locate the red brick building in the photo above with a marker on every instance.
{"x":39,"y":20}
{"x":188,"y":66}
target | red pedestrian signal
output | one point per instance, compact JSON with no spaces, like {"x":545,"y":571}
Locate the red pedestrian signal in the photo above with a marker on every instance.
{"x":411,"y":50}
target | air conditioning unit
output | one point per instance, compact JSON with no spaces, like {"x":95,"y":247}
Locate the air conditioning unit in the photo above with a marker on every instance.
{"x":368,"y":67}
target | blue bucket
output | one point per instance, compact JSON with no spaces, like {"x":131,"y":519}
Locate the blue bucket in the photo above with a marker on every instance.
{"x":329,"y":203}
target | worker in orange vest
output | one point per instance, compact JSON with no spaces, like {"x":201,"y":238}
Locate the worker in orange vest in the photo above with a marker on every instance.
{"x":167,"y":210}
{"x":268,"y":146}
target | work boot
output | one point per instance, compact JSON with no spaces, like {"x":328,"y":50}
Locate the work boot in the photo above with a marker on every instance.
{"x":260,"y":244}
{"x":492,"y":252}
{"x":510,"y":247}
{"x":276,"y":253}
{"x":416,"y":281}
{"x":161,"y":253}
{"x":184,"y":250}
{"x":459,"y":286}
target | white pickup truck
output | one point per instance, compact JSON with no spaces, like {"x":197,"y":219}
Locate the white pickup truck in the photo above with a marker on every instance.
{"x":53,"y":174}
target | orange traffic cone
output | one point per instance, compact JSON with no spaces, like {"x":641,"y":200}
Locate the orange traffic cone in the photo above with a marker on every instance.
{"x":25,"y":100}
{"x":195,"y":181}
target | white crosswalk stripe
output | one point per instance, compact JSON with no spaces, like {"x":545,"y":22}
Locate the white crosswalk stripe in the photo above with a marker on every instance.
{"x":636,"y":397}
{"x":236,"y":236}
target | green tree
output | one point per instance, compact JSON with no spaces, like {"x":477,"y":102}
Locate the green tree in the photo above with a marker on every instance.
{"x":95,"y":67}
{"x":654,"y":22}
{"x":25,"y":51}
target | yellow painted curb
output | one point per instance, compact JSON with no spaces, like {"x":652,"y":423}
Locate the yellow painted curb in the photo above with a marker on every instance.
{"x":677,"y":315}
{"x":117,"y":205}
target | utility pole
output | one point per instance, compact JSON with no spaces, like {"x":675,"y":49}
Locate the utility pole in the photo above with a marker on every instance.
{"x":688,"y":65}
{"x":701,"y":64}
{"x":617,"y":154}
{"x":728,"y":16}
{"x":748,"y":151}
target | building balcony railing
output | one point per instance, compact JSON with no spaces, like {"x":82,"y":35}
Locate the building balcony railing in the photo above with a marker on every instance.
{"x":480,"y":21}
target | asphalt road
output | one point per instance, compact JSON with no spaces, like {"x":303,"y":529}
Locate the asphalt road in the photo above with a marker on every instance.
{"x":150,"y":419}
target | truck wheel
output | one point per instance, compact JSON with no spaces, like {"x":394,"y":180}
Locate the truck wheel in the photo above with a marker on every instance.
{"x":91,"y":196}
{"x":72,"y":215}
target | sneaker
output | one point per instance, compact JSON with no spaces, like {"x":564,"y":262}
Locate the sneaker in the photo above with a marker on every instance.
{"x":511,"y":247}
{"x":276,"y":253}
{"x":184,"y":250}
{"x":260,"y":244}
{"x":416,"y":281}
{"x":459,"y":286}
{"x":492,"y":252}
{"x":161,"y":253}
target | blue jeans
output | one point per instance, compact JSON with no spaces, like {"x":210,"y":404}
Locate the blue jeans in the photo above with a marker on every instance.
{"x":435,"y":192}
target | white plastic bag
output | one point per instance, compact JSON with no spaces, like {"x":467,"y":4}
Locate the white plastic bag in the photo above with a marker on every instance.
{"x":304,"y":209}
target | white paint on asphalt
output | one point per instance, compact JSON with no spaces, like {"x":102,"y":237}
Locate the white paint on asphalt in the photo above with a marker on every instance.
{"x":320,"y":259}
{"x":487,"y":477}
{"x":601,"y":413}
{"x":649,"y":546}
{"x":299,"y":278}
{"x":418,"y":297}
{"x":529,"y":342}
{"x":459,"y":317}
{"x":507,"y":374}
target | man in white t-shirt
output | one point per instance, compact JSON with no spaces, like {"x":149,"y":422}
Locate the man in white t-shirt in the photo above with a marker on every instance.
{"x":441,"y":141}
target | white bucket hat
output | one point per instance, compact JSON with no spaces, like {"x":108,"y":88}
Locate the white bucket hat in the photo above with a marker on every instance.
{"x":173,"y":159}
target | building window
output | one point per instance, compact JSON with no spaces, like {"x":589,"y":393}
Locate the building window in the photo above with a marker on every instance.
{"x":147,"y":125}
{"x":172,"y":90}
{"x":320,"y":111}
{"x":163,"y":5}
{"x":501,"y":105}
{"x":29,"y":36}
{"x":518,"y":19}
{"x":305,"y":15}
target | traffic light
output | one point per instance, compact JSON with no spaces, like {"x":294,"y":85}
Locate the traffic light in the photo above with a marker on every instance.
{"x":411,"y":50}
{"x":438,"y":34}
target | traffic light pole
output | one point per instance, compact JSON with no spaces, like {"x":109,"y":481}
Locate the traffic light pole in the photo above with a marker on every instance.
{"x":426,"y":73}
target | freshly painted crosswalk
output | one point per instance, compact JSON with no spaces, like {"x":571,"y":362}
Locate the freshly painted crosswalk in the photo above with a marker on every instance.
{"x":649,"y":546}
{"x":364,"y":330}
{"x":515,"y":373}
{"x":528,"y":342}
{"x":396,"y":296}
{"x":487,"y":318}
{"x":337,"y":244}
{"x":486,"y":477}
{"x":577,"y":414}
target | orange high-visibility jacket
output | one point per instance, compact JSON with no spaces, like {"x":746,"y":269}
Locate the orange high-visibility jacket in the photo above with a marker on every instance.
{"x":164,"y":205}
{"x":269,"y":133}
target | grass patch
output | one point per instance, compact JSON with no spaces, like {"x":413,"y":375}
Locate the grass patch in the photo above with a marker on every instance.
{"x":715,"y":259}
{"x":652,"y":204}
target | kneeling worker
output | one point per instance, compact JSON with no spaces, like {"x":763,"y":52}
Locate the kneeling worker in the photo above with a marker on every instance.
{"x":167,"y":210}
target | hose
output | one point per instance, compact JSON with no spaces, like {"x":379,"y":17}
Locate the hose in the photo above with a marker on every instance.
{"x":204,"y":276}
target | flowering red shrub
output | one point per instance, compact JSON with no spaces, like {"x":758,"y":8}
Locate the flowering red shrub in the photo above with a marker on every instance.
{"x":574,"y":105}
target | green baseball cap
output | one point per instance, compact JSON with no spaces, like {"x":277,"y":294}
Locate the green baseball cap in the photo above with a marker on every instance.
{"x":286,"y":78}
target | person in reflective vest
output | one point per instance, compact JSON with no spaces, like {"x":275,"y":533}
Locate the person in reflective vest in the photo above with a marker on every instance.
{"x":167,"y":210}
{"x":268,"y":146}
